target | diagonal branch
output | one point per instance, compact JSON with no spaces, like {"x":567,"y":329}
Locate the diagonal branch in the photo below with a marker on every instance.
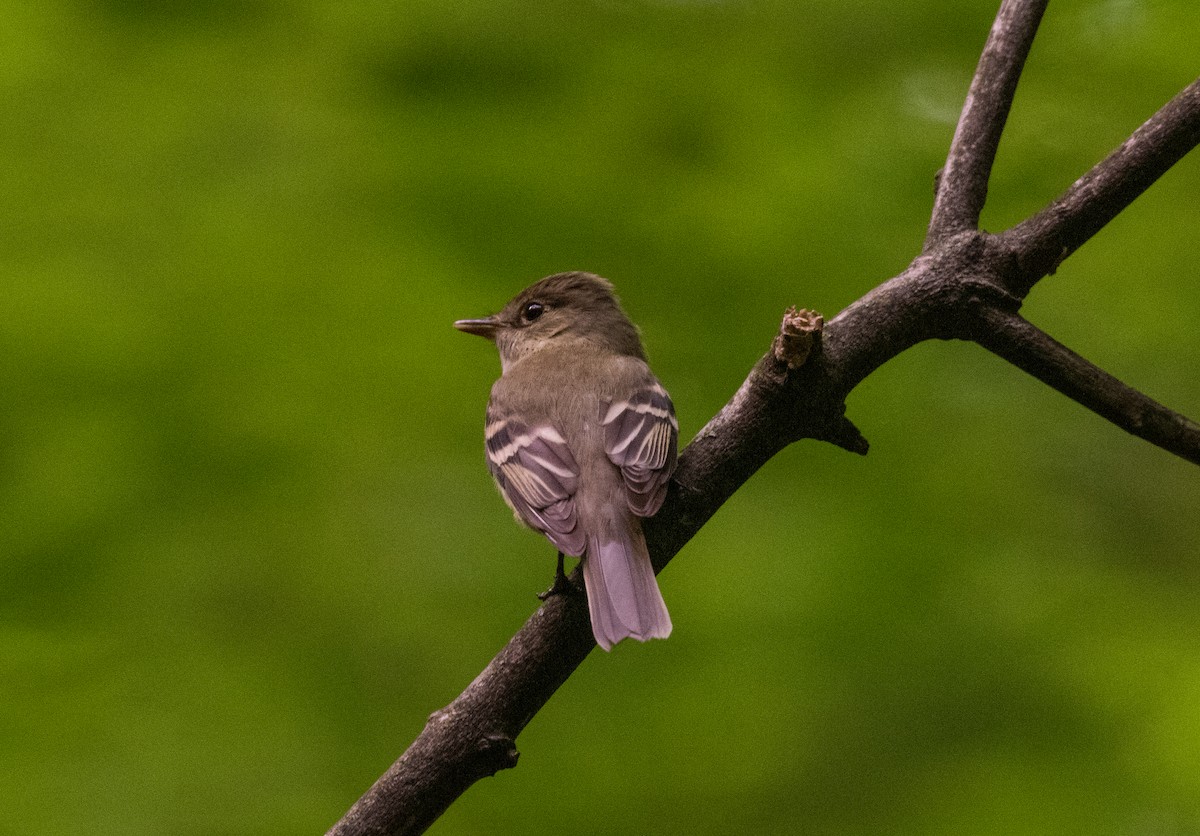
{"x":1097,"y":197}
{"x":963,"y":182}
{"x":1029,"y":348}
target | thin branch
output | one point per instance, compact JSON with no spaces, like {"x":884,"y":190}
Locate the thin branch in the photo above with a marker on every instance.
{"x":1029,"y":348}
{"x":963,"y":182}
{"x":1097,"y":197}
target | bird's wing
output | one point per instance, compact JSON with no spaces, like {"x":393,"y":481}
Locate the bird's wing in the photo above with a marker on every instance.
{"x":538,"y":477}
{"x":641,"y":437}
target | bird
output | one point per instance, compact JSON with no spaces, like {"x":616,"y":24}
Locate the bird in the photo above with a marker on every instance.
{"x":582,"y":440}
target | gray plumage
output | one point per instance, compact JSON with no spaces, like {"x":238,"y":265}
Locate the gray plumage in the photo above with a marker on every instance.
{"x":581,"y":440}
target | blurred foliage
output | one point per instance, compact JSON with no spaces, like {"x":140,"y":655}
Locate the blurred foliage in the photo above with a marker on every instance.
{"x":247,"y":540}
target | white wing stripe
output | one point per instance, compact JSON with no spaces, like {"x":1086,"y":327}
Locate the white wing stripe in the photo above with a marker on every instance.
{"x":654,"y":446}
{"x":531,"y":486}
{"x":557,"y":468}
{"x":640,"y":408}
{"x":494,"y":427}
{"x":620,"y":446}
{"x":509,"y":450}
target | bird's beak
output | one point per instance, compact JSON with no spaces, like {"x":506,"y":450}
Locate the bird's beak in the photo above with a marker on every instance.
{"x":486,"y":327}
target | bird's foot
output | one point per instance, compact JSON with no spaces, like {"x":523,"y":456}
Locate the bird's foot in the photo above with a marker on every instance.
{"x":562,"y":584}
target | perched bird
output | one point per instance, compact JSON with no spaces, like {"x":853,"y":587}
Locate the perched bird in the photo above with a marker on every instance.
{"x":581,"y":440}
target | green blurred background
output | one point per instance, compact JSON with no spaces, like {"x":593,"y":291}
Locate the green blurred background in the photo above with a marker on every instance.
{"x":247,"y":539}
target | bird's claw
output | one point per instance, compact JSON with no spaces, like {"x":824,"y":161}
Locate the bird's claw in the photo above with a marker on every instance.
{"x":562,"y":584}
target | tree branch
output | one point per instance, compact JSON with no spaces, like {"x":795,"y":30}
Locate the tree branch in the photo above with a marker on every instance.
{"x":966,"y":284}
{"x":474,"y":736}
{"x":1029,"y":348}
{"x":1045,"y":240}
{"x":962,"y":184}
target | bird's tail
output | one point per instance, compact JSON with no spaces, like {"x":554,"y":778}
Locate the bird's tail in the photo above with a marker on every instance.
{"x":622,"y":593}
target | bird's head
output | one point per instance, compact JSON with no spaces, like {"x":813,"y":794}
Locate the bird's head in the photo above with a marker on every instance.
{"x":557,"y":311}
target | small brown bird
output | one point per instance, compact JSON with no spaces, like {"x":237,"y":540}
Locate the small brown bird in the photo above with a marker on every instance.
{"x":581,"y":439}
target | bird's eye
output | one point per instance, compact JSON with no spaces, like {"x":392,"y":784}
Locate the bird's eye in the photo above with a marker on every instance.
{"x":532,"y":311}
